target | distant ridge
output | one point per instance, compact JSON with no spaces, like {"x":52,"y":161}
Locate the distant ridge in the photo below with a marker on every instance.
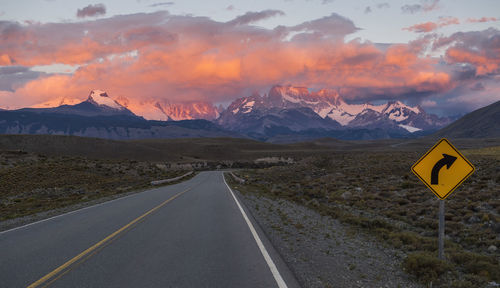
{"x":97,"y":104}
{"x":481,"y":123}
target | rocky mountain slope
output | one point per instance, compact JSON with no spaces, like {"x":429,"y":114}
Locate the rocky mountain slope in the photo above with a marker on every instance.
{"x":481,"y":123}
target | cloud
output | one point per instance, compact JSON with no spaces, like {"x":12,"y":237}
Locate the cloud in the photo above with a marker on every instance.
{"x":428,"y":103}
{"x":411,"y":9}
{"x":422,"y":27}
{"x":383,"y":5}
{"x":478,"y":86}
{"x":333,"y":26}
{"x":251,"y":17}
{"x":162,"y":4}
{"x":462,"y":99}
{"x":482,"y":19}
{"x":230,"y":8}
{"x":424,"y":6}
{"x":431,"y":26}
{"x":12,"y":77}
{"x":479,"y":49}
{"x":149,"y":57}
{"x":91,"y":11}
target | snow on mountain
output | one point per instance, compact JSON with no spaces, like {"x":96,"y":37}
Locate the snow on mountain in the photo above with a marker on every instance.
{"x":149,"y":109}
{"x":398,"y":111}
{"x":164,"y":111}
{"x":410,"y":129}
{"x":97,"y":104}
{"x":101,"y":98}
{"x":329,"y":104}
{"x":188,"y":111}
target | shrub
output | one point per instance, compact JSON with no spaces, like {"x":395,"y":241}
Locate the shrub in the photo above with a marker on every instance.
{"x":425,"y":266}
{"x":481,"y":265}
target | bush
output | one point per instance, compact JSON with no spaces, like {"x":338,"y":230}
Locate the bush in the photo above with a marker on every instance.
{"x":425,"y":266}
{"x":484,"y":266}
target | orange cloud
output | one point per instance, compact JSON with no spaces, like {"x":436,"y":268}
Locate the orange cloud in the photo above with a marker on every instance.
{"x":431,"y":26}
{"x":477,"y":49}
{"x":422,"y":27}
{"x":5,"y":60}
{"x":161,"y":57}
{"x":484,"y":65}
{"x":482,"y":19}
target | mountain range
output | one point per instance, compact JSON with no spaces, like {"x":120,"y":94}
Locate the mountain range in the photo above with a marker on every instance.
{"x":284,"y":114}
{"x":299,"y":111}
{"x":102,"y":117}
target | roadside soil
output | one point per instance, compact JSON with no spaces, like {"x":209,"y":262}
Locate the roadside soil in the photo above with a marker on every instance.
{"x":322,"y":252}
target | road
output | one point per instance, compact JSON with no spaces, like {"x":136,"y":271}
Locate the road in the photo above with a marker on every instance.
{"x":192,"y":234}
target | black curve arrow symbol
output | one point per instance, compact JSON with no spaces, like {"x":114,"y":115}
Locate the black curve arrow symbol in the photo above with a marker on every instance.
{"x":447,"y":160}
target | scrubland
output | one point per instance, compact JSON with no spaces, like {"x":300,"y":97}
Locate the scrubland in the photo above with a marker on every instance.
{"x":376,"y":193}
{"x":31,"y":183}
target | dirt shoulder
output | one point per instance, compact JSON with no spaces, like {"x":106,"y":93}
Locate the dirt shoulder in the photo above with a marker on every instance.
{"x":321,"y":251}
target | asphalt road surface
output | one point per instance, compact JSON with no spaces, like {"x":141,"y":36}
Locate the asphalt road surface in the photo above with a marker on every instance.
{"x":192,"y":234}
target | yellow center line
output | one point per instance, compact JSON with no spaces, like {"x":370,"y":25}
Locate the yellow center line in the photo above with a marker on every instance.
{"x":100,"y":243}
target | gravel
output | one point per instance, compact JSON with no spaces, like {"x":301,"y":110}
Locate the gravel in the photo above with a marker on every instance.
{"x":322,"y":252}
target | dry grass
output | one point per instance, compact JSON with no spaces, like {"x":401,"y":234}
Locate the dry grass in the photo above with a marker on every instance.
{"x":376,"y":192}
{"x":32,"y":183}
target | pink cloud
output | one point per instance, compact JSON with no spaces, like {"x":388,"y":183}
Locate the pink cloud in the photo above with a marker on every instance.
{"x":169,"y":58}
{"x":422,"y":27}
{"x":482,"y":19}
{"x":481,"y":49}
{"x":431,"y":26}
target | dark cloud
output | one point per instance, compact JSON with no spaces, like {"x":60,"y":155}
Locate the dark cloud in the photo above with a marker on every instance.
{"x":411,"y":9}
{"x":369,"y":9}
{"x":462,"y":72}
{"x":251,"y":17}
{"x":480,"y":49}
{"x":162,"y":4}
{"x":333,"y":26}
{"x":477,"y":87}
{"x":424,"y":6}
{"x":383,"y":5}
{"x":91,"y":11}
{"x":12,"y":77}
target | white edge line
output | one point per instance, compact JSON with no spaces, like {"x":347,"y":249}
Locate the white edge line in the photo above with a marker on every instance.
{"x":74,"y":211}
{"x":274,"y":270}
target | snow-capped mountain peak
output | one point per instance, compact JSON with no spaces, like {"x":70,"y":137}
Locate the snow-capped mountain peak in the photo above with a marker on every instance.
{"x":329,"y":104}
{"x":398,"y":111}
{"x":101,"y":98}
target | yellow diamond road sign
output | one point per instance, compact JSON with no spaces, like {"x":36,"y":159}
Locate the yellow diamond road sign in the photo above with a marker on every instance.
{"x":443,"y":169}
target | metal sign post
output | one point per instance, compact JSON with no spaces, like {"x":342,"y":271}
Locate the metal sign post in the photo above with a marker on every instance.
{"x":441,"y":230}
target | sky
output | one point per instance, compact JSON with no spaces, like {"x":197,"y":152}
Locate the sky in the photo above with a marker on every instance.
{"x":441,"y":54}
